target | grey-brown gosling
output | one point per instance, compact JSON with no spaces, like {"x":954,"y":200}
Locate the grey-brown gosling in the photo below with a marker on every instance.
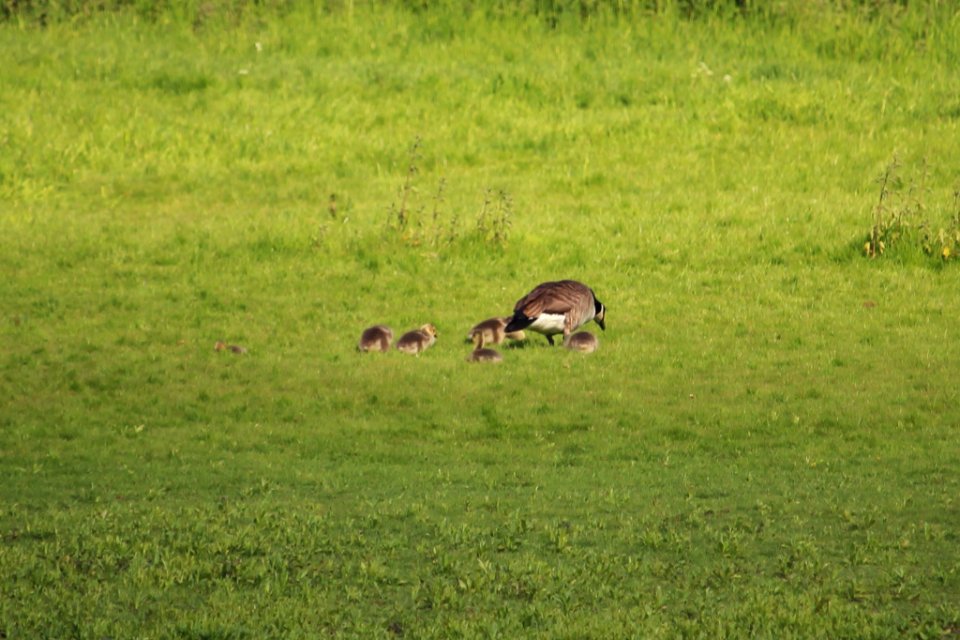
{"x":485,"y":355}
{"x":481,"y":354}
{"x":235,"y":348}
{"x":492,"y":332}
{"x":417,"y":341}
{"x":375,"y":338}
{"x":582,"y":341}
{"x":557,"y":307}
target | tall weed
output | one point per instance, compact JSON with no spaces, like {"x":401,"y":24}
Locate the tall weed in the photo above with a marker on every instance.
{"x":903,"y":223}
{"x":427,"y":220}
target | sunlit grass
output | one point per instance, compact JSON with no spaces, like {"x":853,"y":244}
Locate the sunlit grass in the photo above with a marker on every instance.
{"x":761,"y":446}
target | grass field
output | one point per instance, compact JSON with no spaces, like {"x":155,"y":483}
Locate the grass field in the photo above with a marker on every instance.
{"x":765,"y":444}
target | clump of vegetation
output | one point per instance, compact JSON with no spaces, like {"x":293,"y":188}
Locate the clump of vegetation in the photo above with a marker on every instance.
{"x":901,"y":219}
{"x":889,"y":224}
{"x":493,"y":221}
{"x":399,"y":214}
{"x":411,"y":221}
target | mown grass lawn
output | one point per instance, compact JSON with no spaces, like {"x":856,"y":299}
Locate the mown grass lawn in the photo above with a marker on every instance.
{"x":765,"y":444}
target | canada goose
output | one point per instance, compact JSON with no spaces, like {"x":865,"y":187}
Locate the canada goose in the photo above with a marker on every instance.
{"x":375,"y":338}
{"x":557,"y":307}
{"x":582,"y":341}
{"x":492,"y":332}
{"x":417,"y":341}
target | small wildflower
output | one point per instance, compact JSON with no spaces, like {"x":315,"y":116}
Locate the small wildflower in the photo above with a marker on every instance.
{"x":945,"y":253}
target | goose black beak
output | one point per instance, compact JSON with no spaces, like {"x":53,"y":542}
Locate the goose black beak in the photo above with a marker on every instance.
{"x":603,"y":324}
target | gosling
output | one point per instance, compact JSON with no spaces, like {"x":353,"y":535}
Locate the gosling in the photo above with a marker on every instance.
{"x":492,"y":332}
{"x":485,"y":355}
{"x":417,"y":341}
{"x":480,"y":354}
{"x":235,"y":348}
{"x":583,"y":341}
{"x":375,"y":338}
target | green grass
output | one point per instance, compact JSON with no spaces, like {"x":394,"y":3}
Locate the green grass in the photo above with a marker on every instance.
{"x":765,"y":444}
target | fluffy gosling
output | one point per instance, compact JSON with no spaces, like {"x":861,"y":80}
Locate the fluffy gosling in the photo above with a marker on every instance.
{"x":480,"y":354}
{"x":582,"y":341}
{"x":235,"y":348}
{"x":492,"y":332}
{"x":417,"y":341}
{"x":485,"y":355}
{"x":375,"y":338}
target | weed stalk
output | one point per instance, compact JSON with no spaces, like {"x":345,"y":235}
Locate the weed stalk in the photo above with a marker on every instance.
{"x":876,"y":245}
{"x":400,"y":215}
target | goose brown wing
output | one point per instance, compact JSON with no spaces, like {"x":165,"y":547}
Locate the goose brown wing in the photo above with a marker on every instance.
{"x":554,"y":297}
{"x":532,"y":304}
{"x":536,"y":302}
